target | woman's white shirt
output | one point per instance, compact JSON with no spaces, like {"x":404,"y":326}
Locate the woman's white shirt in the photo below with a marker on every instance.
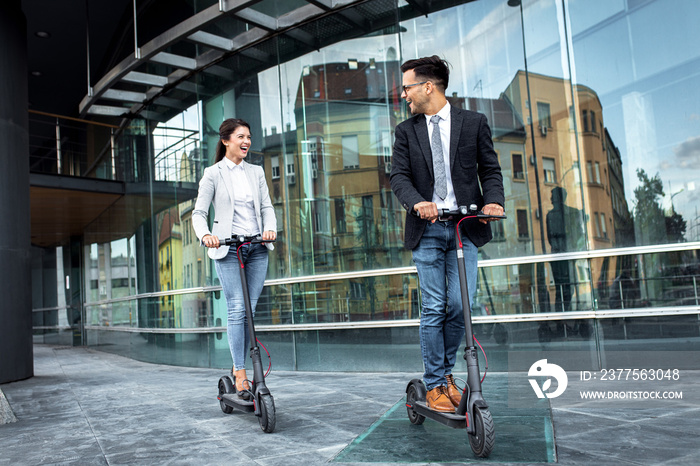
{"x":244,"y":219}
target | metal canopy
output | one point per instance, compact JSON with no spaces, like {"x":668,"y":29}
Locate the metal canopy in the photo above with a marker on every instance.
{"x":234,"y":40}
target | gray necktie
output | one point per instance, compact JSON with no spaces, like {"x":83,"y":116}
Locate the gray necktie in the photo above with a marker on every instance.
{"x":438,"y":160}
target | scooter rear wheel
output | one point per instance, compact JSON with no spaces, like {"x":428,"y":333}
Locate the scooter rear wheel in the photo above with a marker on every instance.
{"x":413,"y":394}
{"x":225,"y":387}
{"x":484,"y":437}
{"x":267,"y":417}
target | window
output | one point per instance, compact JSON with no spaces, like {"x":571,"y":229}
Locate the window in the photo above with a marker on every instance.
{"x":275,"y":163}
{"x":385,"y":145}
{"x":593,"y":125}
{"x":357,"y":290}
{"x":120,"y":283}
{"x":310,"y":151}
{"x":597,"y":224}
{"x":545,"y":120}
{"x":321,"y":214}
{"x":597,"y":173}
{"x":368,"y":208}
{"x":340,"y":225}
{"x":365,"y":222}
{"x":523,"y":231}
{"x":585,"y":121}
{"x":291,"y":171}
{"x":518,"y":172}
{"x":603,"y":227}
{"x":571,"y":117}
{"x":351,"y":152}
{"x":589,"y":170}
{"x":550,"y":174}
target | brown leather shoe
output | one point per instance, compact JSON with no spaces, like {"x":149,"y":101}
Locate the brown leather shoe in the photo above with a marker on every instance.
{"x":439,"y":401}
{"x":453,"y":391}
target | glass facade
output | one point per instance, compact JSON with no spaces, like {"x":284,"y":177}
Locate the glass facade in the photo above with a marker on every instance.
{"x":595,"y":114}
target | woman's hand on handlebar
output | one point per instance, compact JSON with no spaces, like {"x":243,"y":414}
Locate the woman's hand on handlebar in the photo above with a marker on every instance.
{"x":269,"y":235}
{"x":210,"y":241}
{"x":491,"y":209}
{"x":427,"y":211}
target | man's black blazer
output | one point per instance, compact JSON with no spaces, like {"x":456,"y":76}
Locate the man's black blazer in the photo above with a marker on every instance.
{"x":473,"y":163}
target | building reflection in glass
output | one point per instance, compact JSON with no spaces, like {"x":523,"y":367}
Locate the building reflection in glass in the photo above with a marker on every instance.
{"x":613,"y":141}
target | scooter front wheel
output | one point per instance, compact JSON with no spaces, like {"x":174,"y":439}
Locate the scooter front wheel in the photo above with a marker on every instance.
{"x":484,"y":437}
{"x":267,"y":413}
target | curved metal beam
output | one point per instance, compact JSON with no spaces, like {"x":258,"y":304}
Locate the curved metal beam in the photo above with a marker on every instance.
{"x":191,"y":29}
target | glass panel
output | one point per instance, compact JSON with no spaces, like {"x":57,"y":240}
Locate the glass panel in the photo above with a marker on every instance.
{"x":394,"y":297}
{"x":91,"y":273}
{"x":648,"y":280}
{"x":275,"y":8}
{"x":642,"y":90}
{"x":513,"y":289}
{"x":326,"y":350}
{"x":597,"y":137}
{"x":339,"y":107}
{"x":663,"y":333}
{"x":121,"y":270}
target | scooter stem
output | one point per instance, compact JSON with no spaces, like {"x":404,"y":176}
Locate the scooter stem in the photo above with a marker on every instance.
{"x":258,"y":377}
{"x":464,"y":292}
{"x":466,"y":406}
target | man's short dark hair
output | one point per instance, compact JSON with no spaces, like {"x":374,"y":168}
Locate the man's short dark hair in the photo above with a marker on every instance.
{"x":433,"y":69}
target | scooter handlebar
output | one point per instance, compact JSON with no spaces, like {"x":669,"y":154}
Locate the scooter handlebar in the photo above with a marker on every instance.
{"x":238,"y":240}
{"x":241,"y":239}
{"x":462,"y":211}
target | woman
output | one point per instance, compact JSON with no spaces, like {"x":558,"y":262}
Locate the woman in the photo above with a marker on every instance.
{"x":242,"y":206}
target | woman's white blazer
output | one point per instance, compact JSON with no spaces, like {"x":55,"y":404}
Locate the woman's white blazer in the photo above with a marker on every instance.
{"x":215,"y":188}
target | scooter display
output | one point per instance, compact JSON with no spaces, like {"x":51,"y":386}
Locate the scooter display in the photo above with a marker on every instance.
{"x":258,"y":398}
{"x":472,"y":412}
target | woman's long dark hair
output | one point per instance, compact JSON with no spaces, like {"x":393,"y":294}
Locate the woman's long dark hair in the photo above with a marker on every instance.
{"x":225,"y":130}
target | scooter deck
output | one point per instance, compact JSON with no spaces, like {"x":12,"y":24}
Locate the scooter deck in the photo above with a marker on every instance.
{"x":458,"y":421}
{"x":232,"y":400}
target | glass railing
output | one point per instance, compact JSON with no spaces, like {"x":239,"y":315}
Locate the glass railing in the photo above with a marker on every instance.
{"x":504,"y":292}
{"x":61,"y":145}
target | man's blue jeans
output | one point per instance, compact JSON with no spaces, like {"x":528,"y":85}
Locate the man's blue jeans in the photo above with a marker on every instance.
{"x":255,"y":257}
{"x":442,"y":317}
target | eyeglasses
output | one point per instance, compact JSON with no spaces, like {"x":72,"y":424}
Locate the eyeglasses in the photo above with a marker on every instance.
{"x":405,"y":88}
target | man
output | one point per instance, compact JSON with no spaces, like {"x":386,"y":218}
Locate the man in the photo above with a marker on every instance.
{"x":441,"y":156}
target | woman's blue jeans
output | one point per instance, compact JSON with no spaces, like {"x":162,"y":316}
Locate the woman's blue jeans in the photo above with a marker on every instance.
{"x":255,"y":257}
{"x":442,"y":317}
